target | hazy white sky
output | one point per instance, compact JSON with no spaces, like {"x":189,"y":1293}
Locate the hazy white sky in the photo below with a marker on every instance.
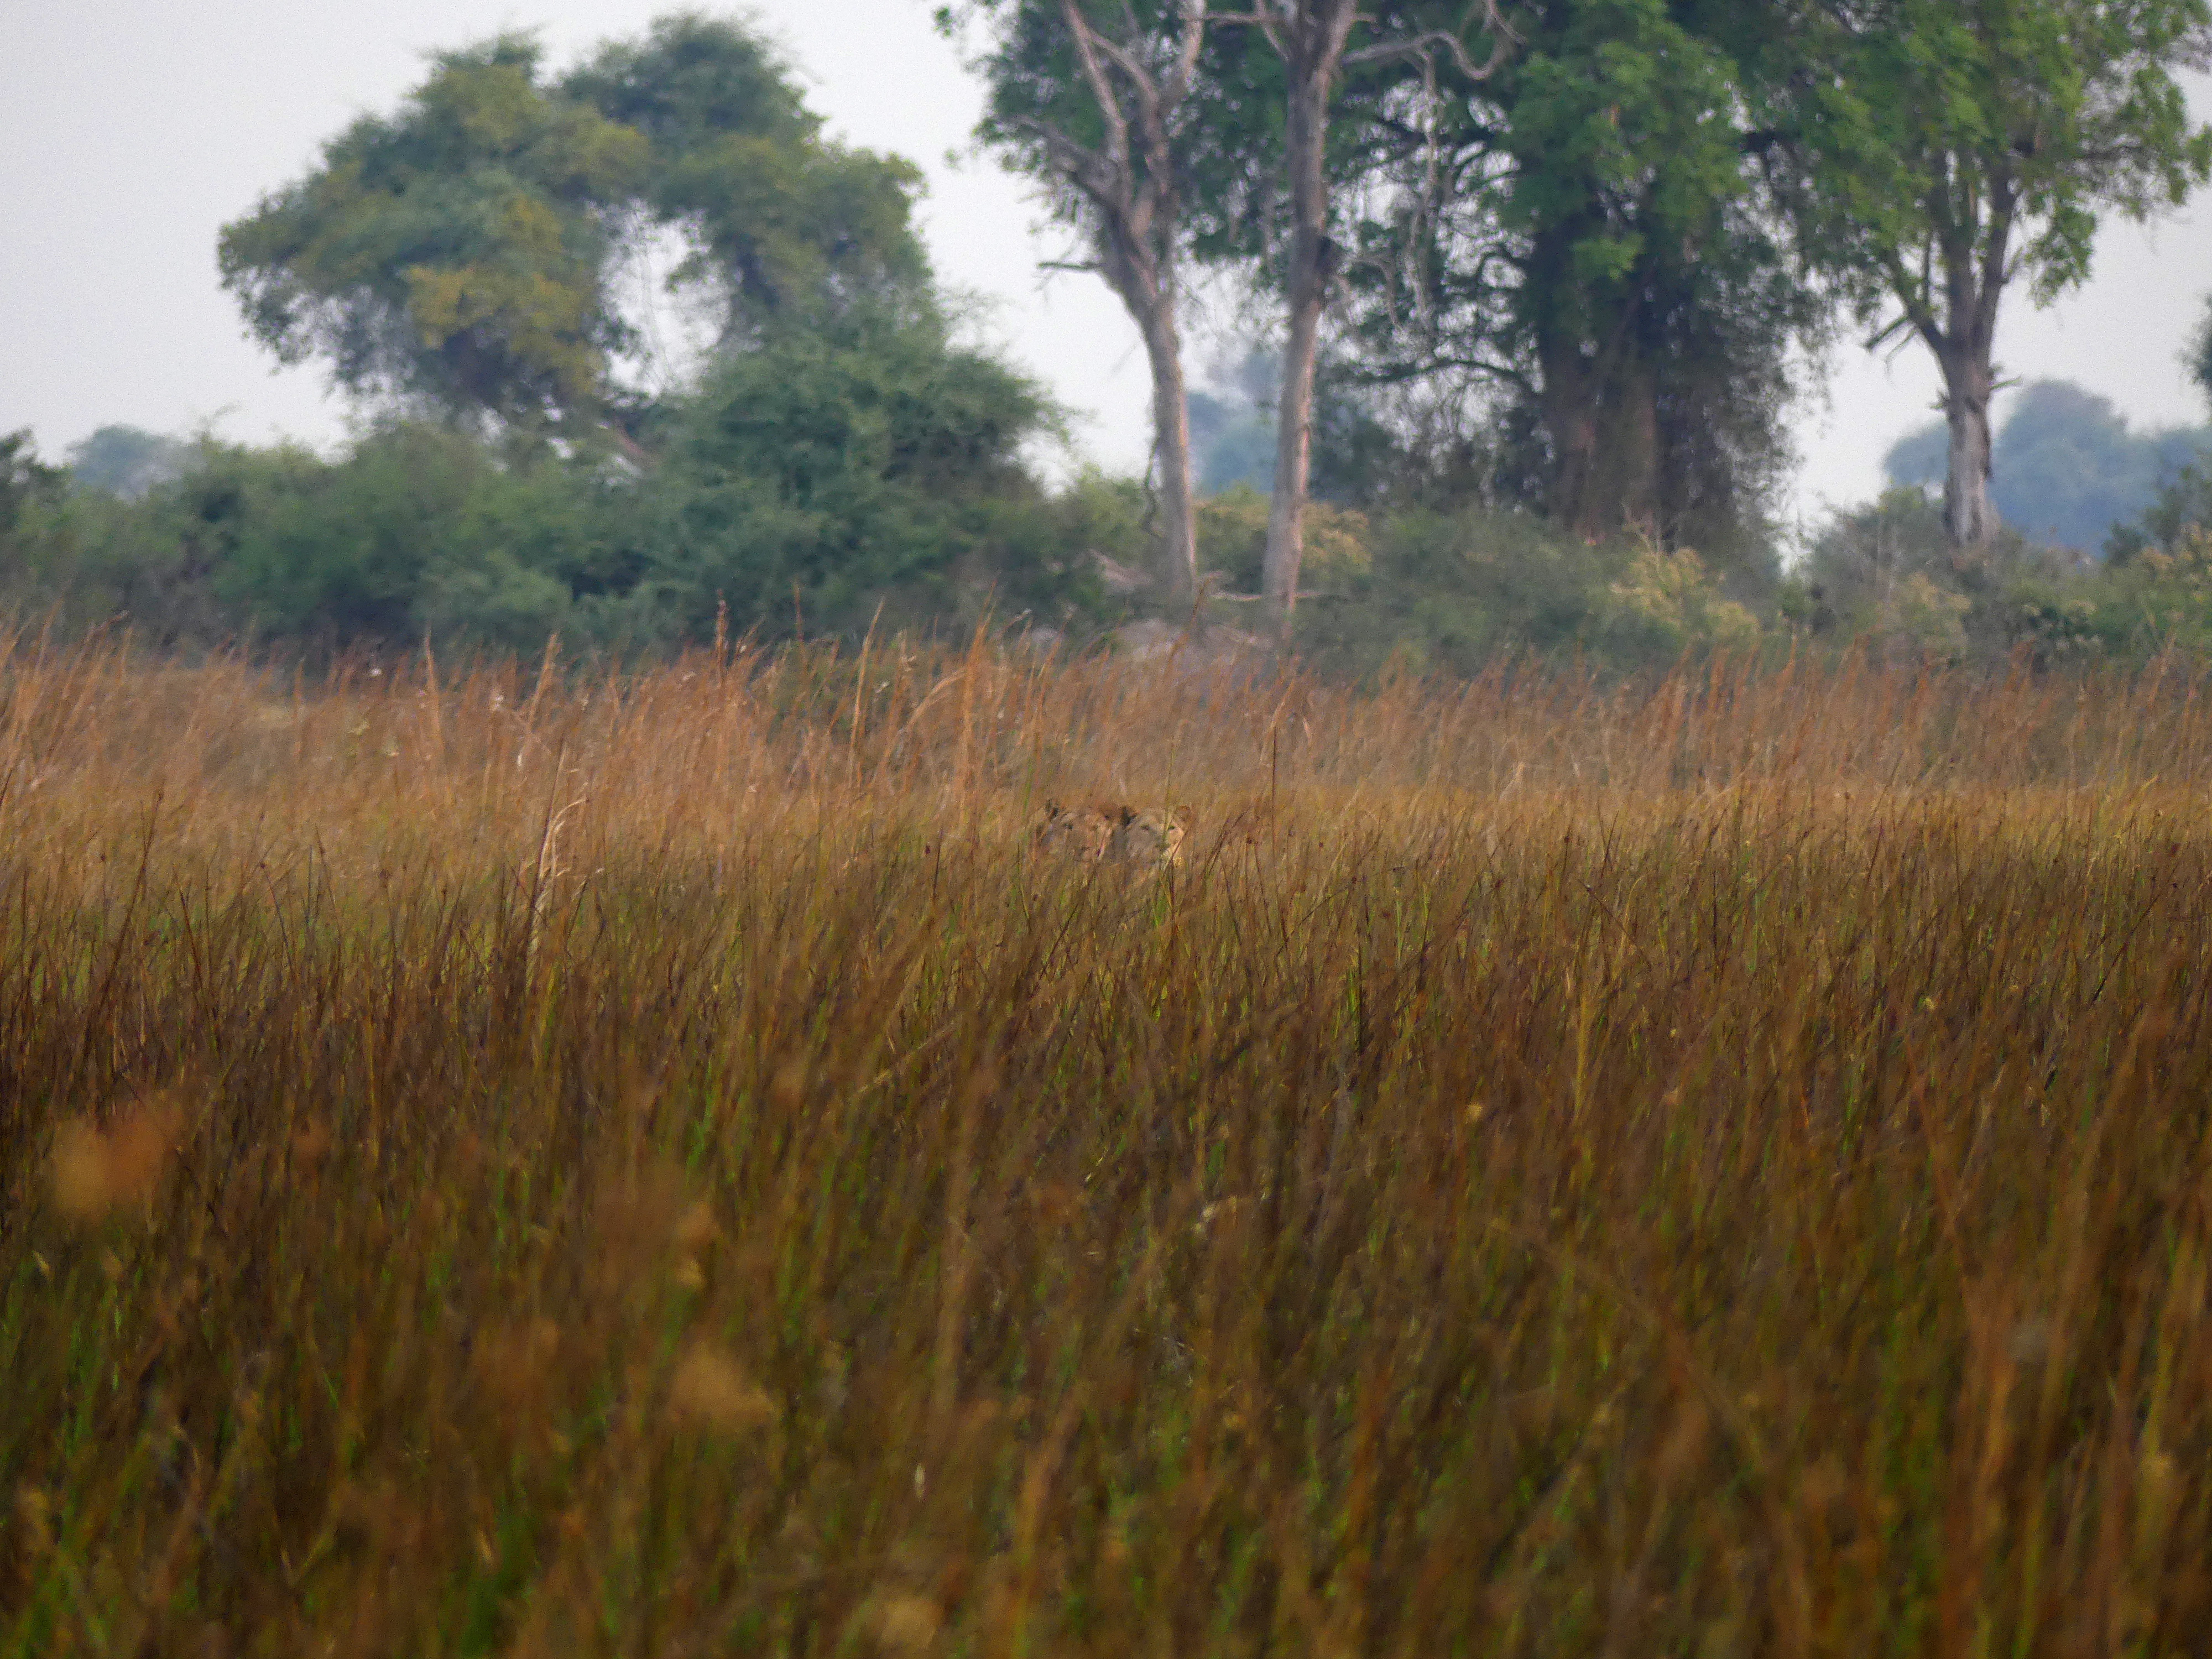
{"x":132,"y":129}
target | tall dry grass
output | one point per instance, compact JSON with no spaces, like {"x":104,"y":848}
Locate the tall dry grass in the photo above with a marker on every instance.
{"x":498,"y":1162}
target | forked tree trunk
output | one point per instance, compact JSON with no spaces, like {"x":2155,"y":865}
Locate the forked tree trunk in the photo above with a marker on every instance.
{"x":1962,"y":335}
{"x":1171,"y":448}
{"x":1129,"y":178}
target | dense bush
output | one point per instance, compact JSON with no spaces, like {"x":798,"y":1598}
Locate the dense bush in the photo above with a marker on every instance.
{"x":832,"y":472}
{"x":812,"y":481}
{"x":1885,"y":575}
{"x":878,"y":476}
{"x":1452,"y":591}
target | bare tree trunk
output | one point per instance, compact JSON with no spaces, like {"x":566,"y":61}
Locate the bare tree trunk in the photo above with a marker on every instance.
{"x":1172,"y":451}
{"x":1968,"y":380}
{"x":1287,"y":539}
{"x":1962,"y":335}
{"x":1310,"y":36}
{"x":1129,"y":179}
{"x":1311,"y":44}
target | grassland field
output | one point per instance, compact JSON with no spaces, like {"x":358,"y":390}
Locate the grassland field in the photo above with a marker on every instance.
{"x":501,"y":1160}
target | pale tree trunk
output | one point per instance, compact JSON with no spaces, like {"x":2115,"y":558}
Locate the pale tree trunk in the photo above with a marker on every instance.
{"x":1129,"y":180}
{"x":1961,"y":331}
{"x":1171,"y":454}
{"x":1311,"y":37}
{"x":1312,"y":43}
{"x":1964,"y":346}
{"x":1968,"y":378}
{"x":1286,"y":538}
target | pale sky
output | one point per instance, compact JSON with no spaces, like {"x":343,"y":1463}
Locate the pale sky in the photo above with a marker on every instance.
{"x":133,"y":130}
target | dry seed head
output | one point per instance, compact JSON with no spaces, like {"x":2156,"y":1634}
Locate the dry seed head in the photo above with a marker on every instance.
{"x":695,"y":1235}
{"x":908,"y":1624}
{"x":514,"y":1363}
{"x":97,"y":1171}
{"x":712,"y":1391}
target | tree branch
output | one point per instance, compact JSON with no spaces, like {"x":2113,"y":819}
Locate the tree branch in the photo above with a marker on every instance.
{"x":1419,"y":46}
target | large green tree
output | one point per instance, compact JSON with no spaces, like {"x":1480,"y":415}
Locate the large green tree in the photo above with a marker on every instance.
{"x":460,"y":254}
{"x":1935,"y":153}
{"x":450,"y":254}
{"x":1582,"y":243}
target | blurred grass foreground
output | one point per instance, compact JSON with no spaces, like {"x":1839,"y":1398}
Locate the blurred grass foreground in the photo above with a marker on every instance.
{"x":506,"y":1162}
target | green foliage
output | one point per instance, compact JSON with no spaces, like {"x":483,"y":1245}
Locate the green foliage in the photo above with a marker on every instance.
{"x":1654,"y":310}
{"x":1944,"y":151}
{"x":781,"y":221}
{"x":1947,"y":135}
{"x":417,"y":530}
{"x":866,"y":461}
{"x":1580,"y":239}
{"x":450,"y":254}
{"x":24,"y":480}
{"x":2184,"y":499}
{"x":2160,"y":598}
{"x":1232,"y":537}
{"x":1889,"y":575}
{"x":459,"y":254}
{"x":1455,"y":592}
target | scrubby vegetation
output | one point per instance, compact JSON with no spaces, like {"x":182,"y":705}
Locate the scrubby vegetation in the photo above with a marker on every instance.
{"x":506,"y":1161}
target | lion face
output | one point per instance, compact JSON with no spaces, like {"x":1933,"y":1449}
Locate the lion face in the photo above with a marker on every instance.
{"x":1083,"y":833}
{"x":1124,"y":835}
{"x":1148,"y":839}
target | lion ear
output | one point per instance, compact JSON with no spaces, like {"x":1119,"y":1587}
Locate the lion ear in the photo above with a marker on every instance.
{"x":1051,"y":807}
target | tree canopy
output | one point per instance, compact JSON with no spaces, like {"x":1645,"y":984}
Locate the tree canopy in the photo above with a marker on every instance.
{"x":1935,"y":153}
{"x":459,"y":254}
{"x":451,"y":254}
{"x":782,"y":222}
